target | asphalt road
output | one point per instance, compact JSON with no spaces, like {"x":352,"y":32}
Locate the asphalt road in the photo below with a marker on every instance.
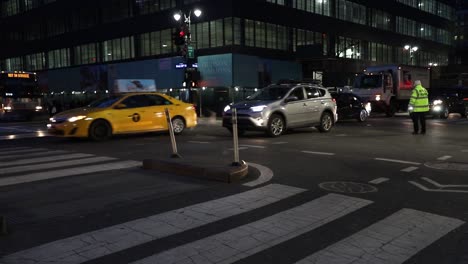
{"x":364,"y":193}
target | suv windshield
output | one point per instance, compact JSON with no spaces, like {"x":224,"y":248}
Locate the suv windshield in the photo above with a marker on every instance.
{"x":270,"y":93}
{"x":105,"y":102}
{"x":368,"y":81}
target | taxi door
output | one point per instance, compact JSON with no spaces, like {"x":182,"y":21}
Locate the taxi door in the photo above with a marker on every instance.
{"x":157,"y":111}
{"x":134,"y":117}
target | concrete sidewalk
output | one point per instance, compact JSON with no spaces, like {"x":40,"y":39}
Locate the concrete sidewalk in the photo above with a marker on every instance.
{"x":209,"y":121}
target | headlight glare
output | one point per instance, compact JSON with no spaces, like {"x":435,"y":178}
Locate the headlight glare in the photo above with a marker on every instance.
{"x":76,"y":118}
{"x":258,"y":108}
{"x":227,"y":108}
{"x":437,"y":102}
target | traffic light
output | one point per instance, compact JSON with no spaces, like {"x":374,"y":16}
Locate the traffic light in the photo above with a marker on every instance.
{"x":179,"y":38}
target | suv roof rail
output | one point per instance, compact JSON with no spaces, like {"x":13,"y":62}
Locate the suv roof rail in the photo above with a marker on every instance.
{"x":310,"y":82}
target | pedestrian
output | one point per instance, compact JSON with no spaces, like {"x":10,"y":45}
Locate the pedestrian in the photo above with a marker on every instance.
{"x":420,"y":106}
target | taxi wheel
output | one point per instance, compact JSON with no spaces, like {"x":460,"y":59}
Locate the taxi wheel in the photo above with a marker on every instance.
{"x":178,"y":125}
{"x":100,"y":130}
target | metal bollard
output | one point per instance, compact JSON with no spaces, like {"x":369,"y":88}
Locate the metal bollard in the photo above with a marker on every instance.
{"x":235,"y":138}
{"x":171,"y":133}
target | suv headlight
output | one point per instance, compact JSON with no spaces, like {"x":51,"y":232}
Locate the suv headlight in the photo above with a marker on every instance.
{"x":227,"y":108}
{"x":437,"y":102}
{"x":76,"y":118}
{"x":258,"y":108}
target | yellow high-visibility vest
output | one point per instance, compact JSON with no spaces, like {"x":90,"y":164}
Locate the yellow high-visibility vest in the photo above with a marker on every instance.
{"x":419,"y":99}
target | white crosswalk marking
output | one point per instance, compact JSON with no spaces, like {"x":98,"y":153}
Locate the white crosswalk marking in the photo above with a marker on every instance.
{"x":246,"y":240}
{"x":393,"y":240}
{"x":13,"y":148}
{"x":35,"y":154}
{"x":7,"y":154}
{"x":53,"y":165}
{"x":45,"y":159}
{"x":109,"y":240}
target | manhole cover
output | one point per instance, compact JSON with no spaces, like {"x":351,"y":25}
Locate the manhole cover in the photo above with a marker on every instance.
{"x":347,"y":187}
{"x":447,"y":166}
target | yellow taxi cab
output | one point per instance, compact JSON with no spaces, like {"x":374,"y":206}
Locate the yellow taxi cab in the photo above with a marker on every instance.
{"x":123,"y":114}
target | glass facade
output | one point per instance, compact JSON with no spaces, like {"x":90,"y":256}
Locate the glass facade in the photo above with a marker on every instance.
{"x":118,"y":49}
{"x":58,"y":58}
{"x":321,"y":7}
{"x":350,"y":11}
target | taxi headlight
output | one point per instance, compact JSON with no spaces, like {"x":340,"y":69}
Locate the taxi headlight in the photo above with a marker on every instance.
{"x":258,"y":108}
{"x":76,"y":118}
{"x":38,"y":107}
{"x":437,"y":102}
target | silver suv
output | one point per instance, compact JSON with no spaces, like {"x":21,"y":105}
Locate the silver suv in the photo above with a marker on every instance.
{"x":279,"y":107}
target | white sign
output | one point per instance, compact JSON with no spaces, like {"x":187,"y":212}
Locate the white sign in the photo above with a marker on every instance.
{"x":134,"y":85}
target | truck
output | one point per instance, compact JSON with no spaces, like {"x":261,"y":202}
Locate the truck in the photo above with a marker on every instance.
{"x":388,"y":87}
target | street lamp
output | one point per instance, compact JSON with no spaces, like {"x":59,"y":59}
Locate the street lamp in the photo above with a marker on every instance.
{"x":412,"y":49}
{"x":185,"y":39}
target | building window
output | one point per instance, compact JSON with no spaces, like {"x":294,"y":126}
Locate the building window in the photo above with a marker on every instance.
{"x":216,"y":33}
{"x":381,"y":19}
{"x":156,"y":43}
{"x":118,"y":49}
{"x":87,"y":54}
{"x":278,"y":2}
{"x":321,"y":7}
{"x":56,"y":25}
{"x":348,"y":48}
{"x":118,"y":10}
{"x":14,"y":64}
{"x":153,"y":6}
{"x":58,"y":58}
{"x":351,"y":11}
{"x":35,"y":62}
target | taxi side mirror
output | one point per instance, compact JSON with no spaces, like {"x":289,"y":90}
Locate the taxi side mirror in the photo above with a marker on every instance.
{"x":120,"y":106}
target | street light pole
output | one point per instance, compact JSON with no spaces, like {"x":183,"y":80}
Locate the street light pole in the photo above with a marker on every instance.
{"x":412,"y":50}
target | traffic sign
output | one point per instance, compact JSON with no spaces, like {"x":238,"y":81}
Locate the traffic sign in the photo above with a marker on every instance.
{"x":191,"y":52}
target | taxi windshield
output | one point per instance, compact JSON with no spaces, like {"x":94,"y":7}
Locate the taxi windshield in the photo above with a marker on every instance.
{"x":105,"y":102}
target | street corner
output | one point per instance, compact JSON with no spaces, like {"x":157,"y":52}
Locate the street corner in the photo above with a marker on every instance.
{"x":191,"y":167}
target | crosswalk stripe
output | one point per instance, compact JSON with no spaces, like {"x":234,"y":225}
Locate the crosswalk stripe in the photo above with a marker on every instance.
{"x":395,"y":239}
{"x":38,"y":176}
{"x":249,"y":239}
{"x":45,"y":159}
{"x":35,"y":154}
{"x":54,"y":165}
{"x":8,"y":153}
{"x":13,"y":148}
{"x":112,"y":239}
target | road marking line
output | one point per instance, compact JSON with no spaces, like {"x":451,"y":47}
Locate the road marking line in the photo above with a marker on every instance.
{"x":45,"y":159}
{"x":410,"y":169}
{"x":341,"y":135}
{"x":394,"y":239}
{"x":247,"y":240}
{"x":422,"y":187}
{"x":109,"y":240}
{"x":14,"y":148}
{"x":444,"y":158}
{"x":45,"y":175}
{"x":8,"y":153}
{"x":464,"y":150}
{"x":398,"y":161}
{"x":278,"y":143}
{"x":318,"y":153}
{"x":252,"y":146}
{"x":35,"y":154}
{"x":29,"y":135}
{"x":54,"y":165}
{"x":444,"y":185}
{"x":265,"y":175}
{"x":240,"y":148}
{"x":199,"y":142}
{"x":379,"y":180}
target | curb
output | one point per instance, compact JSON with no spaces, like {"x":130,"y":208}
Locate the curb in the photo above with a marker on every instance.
{"x":182,"y":167}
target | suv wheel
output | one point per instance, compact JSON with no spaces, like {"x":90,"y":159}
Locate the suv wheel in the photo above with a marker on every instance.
{"x":275,"y":126}
{"x":326,"y":122}
{"x":444,"y":114}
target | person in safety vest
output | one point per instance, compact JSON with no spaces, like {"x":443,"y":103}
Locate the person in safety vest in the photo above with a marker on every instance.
{"x":419,"y":103}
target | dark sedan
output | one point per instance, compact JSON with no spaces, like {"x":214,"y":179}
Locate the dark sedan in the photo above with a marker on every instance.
{"x":351,"y":106}
{"x":446,"y":101}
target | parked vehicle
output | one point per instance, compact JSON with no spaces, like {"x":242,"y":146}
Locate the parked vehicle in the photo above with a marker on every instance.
{"x":351,"y":106}
{"x":450,"y":100}
{"x":276,"y":108}
{"x":389,"y":87}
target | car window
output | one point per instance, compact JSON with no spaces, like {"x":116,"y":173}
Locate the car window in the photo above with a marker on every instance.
{"x":322,"y":92}
{"x":158,"y":100}
{"x":298,"y":92}
{"x":135,"y":101}
{"x":312,"y":92}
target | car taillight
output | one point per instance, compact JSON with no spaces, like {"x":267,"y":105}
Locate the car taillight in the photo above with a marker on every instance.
{"x":334,"y":100}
